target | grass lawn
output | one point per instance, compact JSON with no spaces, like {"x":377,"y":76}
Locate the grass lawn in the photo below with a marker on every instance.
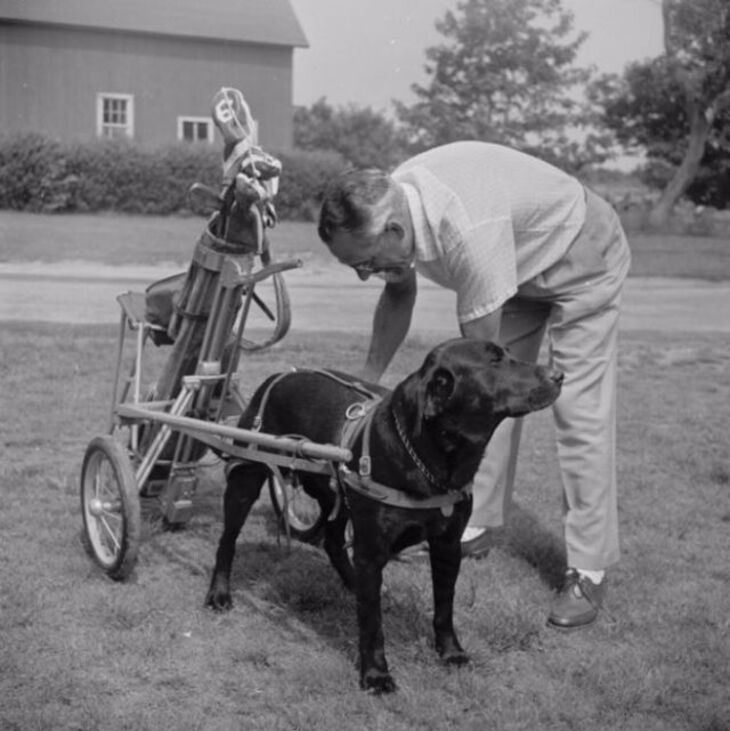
{"x":82,"y":652}
{"x":118,"y":239}
{"x":78,"y":651}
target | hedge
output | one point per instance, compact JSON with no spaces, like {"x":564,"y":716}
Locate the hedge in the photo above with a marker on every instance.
{"x":44,"y":175}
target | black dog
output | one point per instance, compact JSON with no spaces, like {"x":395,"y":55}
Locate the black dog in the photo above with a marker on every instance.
{"x":425,"y":441}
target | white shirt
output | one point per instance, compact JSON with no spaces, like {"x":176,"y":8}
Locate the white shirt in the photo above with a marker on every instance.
{"x":487,"y":219}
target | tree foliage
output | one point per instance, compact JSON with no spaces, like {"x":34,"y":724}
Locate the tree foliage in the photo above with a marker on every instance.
{"x":364,"y":137}
{"x":677,"y":106}
{"x":505,"y":73}
{"x":647,"y":110}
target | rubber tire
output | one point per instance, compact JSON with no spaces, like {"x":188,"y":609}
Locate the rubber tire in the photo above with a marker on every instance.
{"x":305,"y":524}
{"x":119,"y":559}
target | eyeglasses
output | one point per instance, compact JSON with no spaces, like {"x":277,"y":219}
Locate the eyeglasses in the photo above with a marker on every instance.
{"x":380,"y":262}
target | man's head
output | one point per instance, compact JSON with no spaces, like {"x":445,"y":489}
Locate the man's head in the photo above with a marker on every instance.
{"x":366,"y":224}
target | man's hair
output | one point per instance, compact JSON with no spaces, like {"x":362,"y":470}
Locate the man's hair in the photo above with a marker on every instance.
{"x":350,"y":203}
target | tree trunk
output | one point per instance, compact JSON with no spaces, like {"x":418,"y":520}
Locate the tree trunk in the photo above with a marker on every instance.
{"x":700,"y":126}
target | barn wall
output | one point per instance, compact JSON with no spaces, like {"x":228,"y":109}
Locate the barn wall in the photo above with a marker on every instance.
{"x":50,"y":77}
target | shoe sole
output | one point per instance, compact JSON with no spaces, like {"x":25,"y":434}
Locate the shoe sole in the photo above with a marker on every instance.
{"x":570,"y":627}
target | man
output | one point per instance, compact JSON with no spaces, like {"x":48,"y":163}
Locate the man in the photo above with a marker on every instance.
{"x":528,"y":250}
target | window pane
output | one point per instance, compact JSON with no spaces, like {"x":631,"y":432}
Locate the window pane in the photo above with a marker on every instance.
{"x":115,"y":115}
{"x":114,"y":111}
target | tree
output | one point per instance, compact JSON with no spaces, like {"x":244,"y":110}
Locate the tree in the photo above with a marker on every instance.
{"x":647,"y":112}
{"x":362,"y":136}
{"x":697,"y":46}
{"x":505,"y":74}
{"x":677,"y":106}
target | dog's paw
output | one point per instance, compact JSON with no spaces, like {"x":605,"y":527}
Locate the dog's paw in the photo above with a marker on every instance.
{"x":218,"y":597}
{"x":451,"y":652}
{"x":378,"y":683}
{"x":456,"y":658}
{"x":220,"y":601}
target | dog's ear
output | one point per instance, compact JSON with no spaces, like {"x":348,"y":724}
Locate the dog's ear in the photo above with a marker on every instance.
{"x":427,"y":391}
{"x":438,"y":391}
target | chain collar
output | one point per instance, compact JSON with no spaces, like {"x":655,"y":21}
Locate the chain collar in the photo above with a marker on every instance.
{"x":414,"y":456}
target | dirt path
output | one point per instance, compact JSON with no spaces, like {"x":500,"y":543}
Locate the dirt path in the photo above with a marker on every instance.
{"x":331,"y":298}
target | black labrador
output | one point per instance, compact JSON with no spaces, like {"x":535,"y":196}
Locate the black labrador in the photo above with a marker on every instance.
{"x":422,"y":446}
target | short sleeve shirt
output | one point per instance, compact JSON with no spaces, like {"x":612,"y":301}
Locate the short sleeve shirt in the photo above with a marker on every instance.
{"x":487,"y":219}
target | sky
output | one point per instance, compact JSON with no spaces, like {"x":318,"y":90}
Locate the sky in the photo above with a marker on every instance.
{"x":369,"y":52}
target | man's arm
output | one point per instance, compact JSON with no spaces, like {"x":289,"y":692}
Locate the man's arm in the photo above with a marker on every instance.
{"x":483,"y":328}
{"x":390,"y":324}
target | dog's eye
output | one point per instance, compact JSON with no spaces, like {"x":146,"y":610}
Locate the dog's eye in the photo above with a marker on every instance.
{"x":495,"y":353}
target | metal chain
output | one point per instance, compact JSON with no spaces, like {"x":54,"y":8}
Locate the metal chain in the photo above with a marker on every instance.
{"x":416,"y":459}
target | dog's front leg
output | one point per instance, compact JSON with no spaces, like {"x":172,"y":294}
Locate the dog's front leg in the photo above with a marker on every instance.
{"x":374,"y":675}
{"x":445,"y":555}
{"x":242,"y":490}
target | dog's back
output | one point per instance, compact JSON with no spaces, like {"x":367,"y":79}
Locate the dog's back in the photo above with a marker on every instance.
{"x":307,"y":403}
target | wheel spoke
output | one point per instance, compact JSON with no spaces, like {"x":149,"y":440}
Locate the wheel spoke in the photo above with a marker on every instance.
{"x":97,"y":483}
{"x":113,"y":514}
{"x":110,"y":533}
{"x":109,"y":483}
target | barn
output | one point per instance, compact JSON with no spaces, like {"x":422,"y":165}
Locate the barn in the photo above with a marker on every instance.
{"x":145,"y":69}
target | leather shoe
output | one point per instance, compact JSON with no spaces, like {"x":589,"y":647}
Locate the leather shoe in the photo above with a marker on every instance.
{"x":578,"y":603}
{"x":479,"y":546}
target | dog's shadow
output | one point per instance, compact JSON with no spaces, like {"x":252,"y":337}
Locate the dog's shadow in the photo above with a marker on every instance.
{"x":293,"y":584}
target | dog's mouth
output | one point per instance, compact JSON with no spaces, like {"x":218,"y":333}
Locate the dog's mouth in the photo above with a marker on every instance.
{"x":539,"y":398}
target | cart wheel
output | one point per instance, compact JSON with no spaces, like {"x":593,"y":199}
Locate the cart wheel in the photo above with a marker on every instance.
{"x":306,"y":520}
{"x":110,"y":507}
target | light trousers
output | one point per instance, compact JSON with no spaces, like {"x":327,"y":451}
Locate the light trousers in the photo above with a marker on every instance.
{"x":576,"y":304}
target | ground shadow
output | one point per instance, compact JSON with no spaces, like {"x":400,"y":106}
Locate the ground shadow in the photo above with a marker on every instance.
{"x":525,"y":538}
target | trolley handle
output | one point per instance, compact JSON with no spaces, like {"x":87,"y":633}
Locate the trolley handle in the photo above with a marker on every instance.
{"x":270,"y":270}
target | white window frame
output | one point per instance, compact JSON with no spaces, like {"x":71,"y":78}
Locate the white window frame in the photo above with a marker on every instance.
{"x":196,"y":120}
{"x":127,"y":128}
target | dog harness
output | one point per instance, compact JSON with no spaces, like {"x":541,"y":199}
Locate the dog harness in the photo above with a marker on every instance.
{"x":358,"y":423}
{"x":358,"y":420}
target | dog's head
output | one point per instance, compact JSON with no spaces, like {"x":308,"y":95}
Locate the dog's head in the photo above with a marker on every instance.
{"x":468,"y":386}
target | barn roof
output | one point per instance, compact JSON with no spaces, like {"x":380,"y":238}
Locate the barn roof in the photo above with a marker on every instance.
{"x":251,"y":21}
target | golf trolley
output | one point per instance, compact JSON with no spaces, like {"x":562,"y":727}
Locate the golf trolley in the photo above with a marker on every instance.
{"x":156,"y":438}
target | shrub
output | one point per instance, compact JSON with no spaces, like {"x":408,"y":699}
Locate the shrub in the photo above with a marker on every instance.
{"x":121,"y":176}
{"x":40,"y":174}
{"x":34,"y":174}
{"x":304,"y":177}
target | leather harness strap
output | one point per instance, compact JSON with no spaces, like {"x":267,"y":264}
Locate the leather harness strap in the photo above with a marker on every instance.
{"x":355,"y":385}
{"x":358,"y":421}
